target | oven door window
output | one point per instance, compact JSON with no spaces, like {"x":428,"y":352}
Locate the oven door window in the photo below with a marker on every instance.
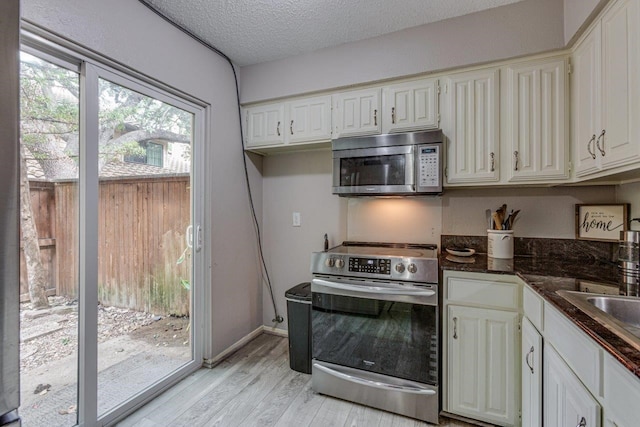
{"x":390,"y":338}
{"x":373,"y":170}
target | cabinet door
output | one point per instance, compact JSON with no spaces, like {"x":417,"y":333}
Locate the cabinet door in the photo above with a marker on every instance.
{"x":531,"y":368}
{"x":566,"y":401}
{"x":410,"y":106}
{"x":481,"y":371}
{"x":470,"y":124}
{"x":620,"y":85}
{"x":622,"y":392}
{"x":357,"y":113}
{"x":585,"y":103}
{"x":309,"y":119}
{"x":536,"y":121}
{"x":265,"y":125}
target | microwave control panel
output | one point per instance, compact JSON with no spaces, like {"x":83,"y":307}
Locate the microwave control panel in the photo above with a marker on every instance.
{"x":428,"y":163}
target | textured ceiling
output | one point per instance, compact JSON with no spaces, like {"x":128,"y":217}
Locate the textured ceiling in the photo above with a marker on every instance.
{"x":254,"y":31}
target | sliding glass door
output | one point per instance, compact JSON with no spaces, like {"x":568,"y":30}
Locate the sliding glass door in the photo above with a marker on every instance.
{"x":113,"y":185}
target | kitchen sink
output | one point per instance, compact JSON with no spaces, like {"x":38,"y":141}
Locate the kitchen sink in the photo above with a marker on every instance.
{"x":619,"y":314}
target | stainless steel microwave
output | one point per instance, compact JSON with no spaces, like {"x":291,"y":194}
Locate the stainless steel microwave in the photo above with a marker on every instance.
{"x":394,"y":164}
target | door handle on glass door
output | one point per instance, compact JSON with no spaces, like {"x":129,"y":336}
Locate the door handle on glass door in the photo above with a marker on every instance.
{"x":198,"y":238}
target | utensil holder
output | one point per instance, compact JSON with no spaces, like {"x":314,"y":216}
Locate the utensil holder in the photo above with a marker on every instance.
{"x":500,"y":244}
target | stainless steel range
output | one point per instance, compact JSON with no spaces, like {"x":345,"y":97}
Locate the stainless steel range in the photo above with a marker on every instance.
{"x":375,"y":326}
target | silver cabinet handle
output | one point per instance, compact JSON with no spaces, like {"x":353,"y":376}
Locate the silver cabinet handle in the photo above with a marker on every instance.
{"x":592,"y":141}
{"x":582,"y":423}
{"x":515,"y":155}
{"x":526,"y":359}
{"x":493,"y":161}
{"x":278,"y":128}
{"x":375,"y":117}
{"x":393,"y":115}
{"x":291,"y":127}
{"x":455,"y":328}
{"x":598,"y":143}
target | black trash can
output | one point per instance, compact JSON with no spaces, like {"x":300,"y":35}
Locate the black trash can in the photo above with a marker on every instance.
{"x":299,"y":323}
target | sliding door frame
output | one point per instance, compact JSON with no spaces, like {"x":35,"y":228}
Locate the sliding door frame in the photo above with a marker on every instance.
{"x":93,"y":67}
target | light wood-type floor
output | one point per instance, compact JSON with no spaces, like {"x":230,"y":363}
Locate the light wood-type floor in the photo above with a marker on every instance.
{"x":256,"y":387}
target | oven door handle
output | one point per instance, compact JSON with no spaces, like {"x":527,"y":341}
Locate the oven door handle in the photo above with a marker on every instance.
{"x":375,"y":289}
{"x":375,"y":384}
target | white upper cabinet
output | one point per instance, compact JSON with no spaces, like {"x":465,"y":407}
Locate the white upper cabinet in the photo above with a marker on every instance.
{"x":274,"y":126}
{"x":357,"y":113}
{"x":606,"y":129}
{"x":410,"y":106}
{"x":536,"y":115}
{"x":585,"y":102}
{"x":309,"y":119}
{"x":265,"y":125}
{"x":470,"y":122}
{"x":620,"y":85}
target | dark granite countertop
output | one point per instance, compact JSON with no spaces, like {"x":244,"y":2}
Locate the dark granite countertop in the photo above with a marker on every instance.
{"x":548,"y":275}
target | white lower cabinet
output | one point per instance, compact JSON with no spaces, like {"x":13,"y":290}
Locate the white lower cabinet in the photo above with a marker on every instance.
{"x":567,"y":402}
{"x":531,"y":367}
{"x":622,"y":393}
{"x":481,"y":374}
{"x":481,"y":348}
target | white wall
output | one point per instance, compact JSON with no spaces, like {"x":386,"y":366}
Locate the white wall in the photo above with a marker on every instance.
{"x":576,"y":12}
{"x":297,"y":182}
{"x":517,"y":29}
{"x":128,"y":32}
{"x":545,"y":212}
{"x":630,"y":193}
{"x":398,"y":220}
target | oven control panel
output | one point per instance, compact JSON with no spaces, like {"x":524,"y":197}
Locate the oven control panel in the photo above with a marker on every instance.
{"x":370,"y":265}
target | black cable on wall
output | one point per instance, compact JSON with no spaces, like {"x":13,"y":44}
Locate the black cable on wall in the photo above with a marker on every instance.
{"x":278,"y":318}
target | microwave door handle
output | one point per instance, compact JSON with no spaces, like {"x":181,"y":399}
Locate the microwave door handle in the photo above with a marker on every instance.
{"x":374,"y":289}
{"x":375,"y":384}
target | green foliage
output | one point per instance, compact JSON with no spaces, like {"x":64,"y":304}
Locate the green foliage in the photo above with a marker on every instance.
{"x":120,"y":107}
{"x":48,"y":100}
{"x":50,"y":110}
{"x":185,"y":254}
{"x":131,"y":148}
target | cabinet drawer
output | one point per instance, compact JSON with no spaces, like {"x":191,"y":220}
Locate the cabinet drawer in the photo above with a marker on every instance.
{"x":581,"y":354}
{"x":533,"y":307}
{"x":482,"y":292}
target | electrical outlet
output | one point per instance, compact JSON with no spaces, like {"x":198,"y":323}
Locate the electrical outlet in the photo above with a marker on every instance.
{"x":296,"y":219}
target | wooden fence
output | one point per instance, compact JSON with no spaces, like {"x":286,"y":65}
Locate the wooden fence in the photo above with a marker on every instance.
{"x":43,"y":205}
{"x":141,"y":236}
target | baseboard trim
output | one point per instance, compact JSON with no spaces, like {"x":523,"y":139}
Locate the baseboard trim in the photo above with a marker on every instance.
{"x":465,"y":419}
{"x":210,"y":363}
{"x":272,"y":330}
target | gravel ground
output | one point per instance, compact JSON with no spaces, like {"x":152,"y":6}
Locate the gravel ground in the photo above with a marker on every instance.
{"x":112,"y":322}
